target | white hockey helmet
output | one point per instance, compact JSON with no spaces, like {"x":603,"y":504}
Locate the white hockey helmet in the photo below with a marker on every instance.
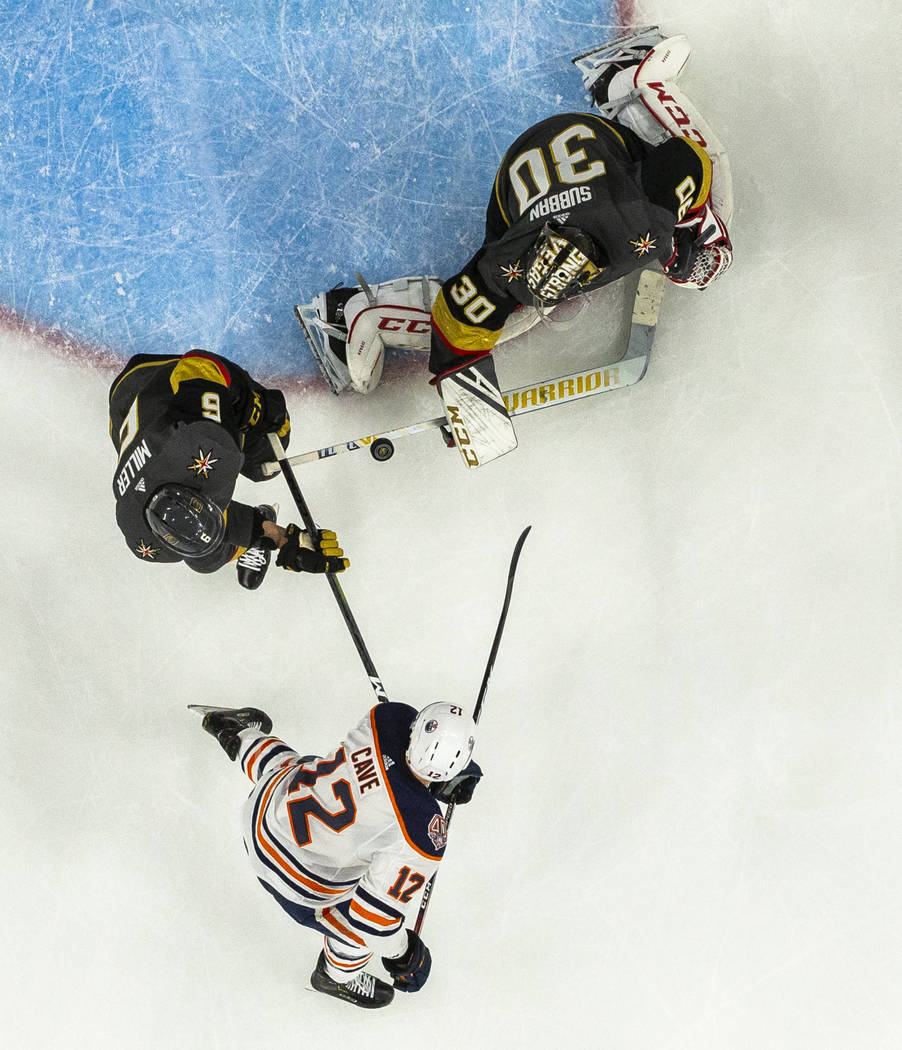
{"x":442,"y":737}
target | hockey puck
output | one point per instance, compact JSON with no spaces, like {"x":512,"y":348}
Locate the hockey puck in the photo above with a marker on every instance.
{"x":382,"y":449}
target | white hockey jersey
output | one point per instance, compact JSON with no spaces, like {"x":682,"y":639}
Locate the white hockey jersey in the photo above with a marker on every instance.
{"x":354,"y":836}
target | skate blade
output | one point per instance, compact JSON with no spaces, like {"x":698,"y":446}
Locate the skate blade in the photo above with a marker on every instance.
{"x":203,"y":709}
{"x":619,"y":42}
{"x":305,"y":314}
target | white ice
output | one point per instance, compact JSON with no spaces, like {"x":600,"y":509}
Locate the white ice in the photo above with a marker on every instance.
{"x":689,"y":836}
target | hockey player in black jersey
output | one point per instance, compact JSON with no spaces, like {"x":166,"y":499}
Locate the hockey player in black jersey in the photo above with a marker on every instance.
{"x":579,"y":200}
{"x":347,"y":843}
{"x":185,"y":428}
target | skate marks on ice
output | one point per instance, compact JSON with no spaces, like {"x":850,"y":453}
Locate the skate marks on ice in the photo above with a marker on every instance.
{"x":180,"y":176}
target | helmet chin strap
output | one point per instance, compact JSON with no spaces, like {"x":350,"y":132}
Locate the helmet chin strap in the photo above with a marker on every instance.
{"x":422,"y":780}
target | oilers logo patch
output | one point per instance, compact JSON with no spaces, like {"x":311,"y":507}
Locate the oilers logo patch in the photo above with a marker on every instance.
{"x":203,"y":464}
{"x":438,"y":831}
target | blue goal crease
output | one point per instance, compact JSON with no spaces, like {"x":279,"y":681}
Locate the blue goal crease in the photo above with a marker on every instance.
{"x":179,"y":174}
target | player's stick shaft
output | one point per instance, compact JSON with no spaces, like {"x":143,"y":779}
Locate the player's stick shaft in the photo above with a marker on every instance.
{"x":347,"y":615}
{"x":477,"y":710}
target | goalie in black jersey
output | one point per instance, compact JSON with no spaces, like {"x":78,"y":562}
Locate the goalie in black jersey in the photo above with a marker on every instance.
{"x":579,"y":200}
{"x":185,"y":428}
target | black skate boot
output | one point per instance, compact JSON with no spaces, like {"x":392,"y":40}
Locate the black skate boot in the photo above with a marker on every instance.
{"x":364,"y":990}
{"x":324,"y":325}
{"x":252,"y":565}
{"x":225,"y":723}
{"x":600,"y":65}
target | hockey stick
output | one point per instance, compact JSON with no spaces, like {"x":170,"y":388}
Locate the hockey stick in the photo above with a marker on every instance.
{"x":477,"y":710}
{"x":630,"y":369}
{"x":348,"y":616}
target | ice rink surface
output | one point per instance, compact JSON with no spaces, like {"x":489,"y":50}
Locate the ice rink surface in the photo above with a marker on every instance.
{"x":689,"y":836}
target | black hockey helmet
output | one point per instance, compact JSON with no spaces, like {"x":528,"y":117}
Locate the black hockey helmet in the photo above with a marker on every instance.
{"x":562,"y":262}
{"x":185,"y":521}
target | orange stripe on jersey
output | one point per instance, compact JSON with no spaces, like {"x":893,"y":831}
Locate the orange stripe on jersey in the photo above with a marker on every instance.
{"x":196,"y":365}
{"x":371,"y":916}
{"x":252,"y":758}
{"x":391,"y":795}
{"x":275,"y":855}
{"x":328,"y":916}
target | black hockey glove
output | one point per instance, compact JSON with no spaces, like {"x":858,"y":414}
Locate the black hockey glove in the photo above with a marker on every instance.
{"x":410,"y":971}
{"x":459,"y":789}
{"x":275,"y":419}
{"x":295,"y":556}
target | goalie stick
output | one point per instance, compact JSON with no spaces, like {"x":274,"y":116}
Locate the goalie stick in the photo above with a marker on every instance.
{"x":630,"y":369}
{"x":347,"y":615}
{"x":477,"y":710}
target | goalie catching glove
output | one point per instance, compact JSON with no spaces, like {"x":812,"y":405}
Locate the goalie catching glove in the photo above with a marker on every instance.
{"x":301,"y":553}
{"x":701,"y":250}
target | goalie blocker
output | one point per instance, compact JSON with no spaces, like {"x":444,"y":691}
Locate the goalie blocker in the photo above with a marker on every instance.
{"x":476,"y":413}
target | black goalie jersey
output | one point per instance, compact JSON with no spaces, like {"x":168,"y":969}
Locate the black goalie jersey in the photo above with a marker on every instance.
{"x":575,"y":170}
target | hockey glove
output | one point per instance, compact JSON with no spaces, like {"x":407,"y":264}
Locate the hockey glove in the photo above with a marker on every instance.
{"x":410,"y":971}
{"x":701,"y":250}
{"x":275,"y":419}
{"x":300,"y":553}
{"x":459,"y":790}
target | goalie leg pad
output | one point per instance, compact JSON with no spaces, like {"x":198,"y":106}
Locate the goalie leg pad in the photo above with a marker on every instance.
{"x":641,"y":95}
{"x":657,"y":110}
{"x":396,"y":314}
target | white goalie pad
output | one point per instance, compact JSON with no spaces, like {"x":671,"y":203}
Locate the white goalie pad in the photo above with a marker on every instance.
{"x":645,"y":99}
{"x":394,"y":313}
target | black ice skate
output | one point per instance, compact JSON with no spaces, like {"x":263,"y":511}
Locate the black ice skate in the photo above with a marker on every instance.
{"x":252,"y":565}
{"x":599,"y":65}
{"x":225,"y":723}
{"x":323,"y":322}
{"x":364,"y":990}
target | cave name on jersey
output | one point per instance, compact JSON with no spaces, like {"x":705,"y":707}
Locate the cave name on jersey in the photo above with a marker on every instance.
{"x":365,"y":769}
{"x":133,"y":465}
{"x":563,"y":201}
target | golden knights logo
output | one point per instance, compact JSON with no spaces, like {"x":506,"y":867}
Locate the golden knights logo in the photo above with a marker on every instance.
{"x":513,"y":272}
{"x":438,"y":831}
{"x":643,"y":245}
{"x":203,"y":464}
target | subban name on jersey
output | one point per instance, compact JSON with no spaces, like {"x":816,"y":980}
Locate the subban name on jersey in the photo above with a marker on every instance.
{"x":563,"y":201}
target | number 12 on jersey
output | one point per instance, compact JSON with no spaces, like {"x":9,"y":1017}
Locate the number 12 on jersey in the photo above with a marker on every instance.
{"x":406,"y":885}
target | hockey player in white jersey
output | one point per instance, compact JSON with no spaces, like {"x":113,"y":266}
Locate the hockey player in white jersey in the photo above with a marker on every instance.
{"x":346,"y":843}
